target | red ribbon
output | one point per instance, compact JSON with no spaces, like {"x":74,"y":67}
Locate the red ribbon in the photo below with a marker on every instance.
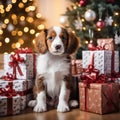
{"x":23,"y":50}
{"x":8,"y":91}
{"x":15,"y":60}
{"x":8,"y":77}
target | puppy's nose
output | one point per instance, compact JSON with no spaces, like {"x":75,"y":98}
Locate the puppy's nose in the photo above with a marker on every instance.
{"x":57,"y":47}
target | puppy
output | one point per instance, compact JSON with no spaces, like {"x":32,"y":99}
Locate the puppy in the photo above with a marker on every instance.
{"x":53,"y":80}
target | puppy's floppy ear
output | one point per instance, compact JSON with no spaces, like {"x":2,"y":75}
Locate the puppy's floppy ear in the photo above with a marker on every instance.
{"x":40,"y":42}
{"x":72,"y":43}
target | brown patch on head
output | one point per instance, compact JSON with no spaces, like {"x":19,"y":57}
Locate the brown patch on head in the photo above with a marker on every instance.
{"x":72,"y":43}
{"x":40,"y":43}
{"x":50,"y":37}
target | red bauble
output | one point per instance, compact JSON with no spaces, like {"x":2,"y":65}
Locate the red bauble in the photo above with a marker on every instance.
{"x":112,"y":1}
{"x":82,"y":2}
{"x":100,"y":24}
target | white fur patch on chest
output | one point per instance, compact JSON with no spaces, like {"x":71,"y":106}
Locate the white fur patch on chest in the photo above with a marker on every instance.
{"x":53,"y":68}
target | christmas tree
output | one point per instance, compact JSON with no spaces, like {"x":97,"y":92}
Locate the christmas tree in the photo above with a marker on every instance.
{"x":93,"y":19}
{"x":19,"y":24}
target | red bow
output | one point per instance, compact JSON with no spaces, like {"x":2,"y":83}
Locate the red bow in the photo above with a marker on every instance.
{"x":8,"y":91}
{"x":15,"y":60}
{"x":24,"y":50}
{"x":8,"y":77}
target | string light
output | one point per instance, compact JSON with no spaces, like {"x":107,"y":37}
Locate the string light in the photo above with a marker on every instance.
{"x":7,"y":40}
{"x":26,"y":29}
{"x":0,"y":44}
{"x":38,"y":15}
{"x":21,"y":41}
{"x":33,"y":41}
{"x":20,"y":5}
{"x":14,"y":1}
{"x":24,"y":1}
{"x":14,"y":33}
{"x":32,"y":31}
{"x":22,"y":18}
{"x":6,"y":21}
{"x":20,"y":33}
{"x":30,"y":19}
{"x":1,"y":31}
{"x":41,"y":27}
{"x":17,"y":45}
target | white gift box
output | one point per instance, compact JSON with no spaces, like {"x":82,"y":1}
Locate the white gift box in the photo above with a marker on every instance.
{"x":9,"y":105}
{"x":26,"y":67}
{"x":102,"y":60}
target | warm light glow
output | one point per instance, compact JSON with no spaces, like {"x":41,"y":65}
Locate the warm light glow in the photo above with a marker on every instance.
{"x":13,"y":16}
{"x":30,"y":19}
{"x":13,"y":33}
{"x":6,"y":21}
{"x":116,"y":13}
{"x":86,"y":42}
{"x":32,"y":31}
{"x":83,"y":20}
{"x":17,"y":45}
{"x":4,"y":25}
{"x":20,"y":33}
{"x":0,"y":44}
{"x":26,"y":29}
{"x":74,"y":7}
{"x":13,"y":45}
{"x":24,"y":1}
{"x":1,"y":31}
{"x":7,"y":40}
{"x":33,"y":41}
{"x":36,"y":35}
{"x":20,"y":5}
{"x":32,"y":8}
{"x":84,"y":28}
{"x":22,"y":18}
{"x":115,"y":24}
{"x":14,"y":1}
{"x":8,"y":7}
{"x":99,"y":29}
{"x":38,"y":15}
{"x":21,"y":41}
{"x":41,"y":27}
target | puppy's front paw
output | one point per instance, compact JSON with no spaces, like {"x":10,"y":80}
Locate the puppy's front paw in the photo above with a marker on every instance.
{"x":63,"y":107}
{"x":40,"y":108}
{"x":32,"y":103}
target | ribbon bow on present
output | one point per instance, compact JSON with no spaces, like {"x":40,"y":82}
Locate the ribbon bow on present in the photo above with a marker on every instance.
{"x":8,"y":91}
{"x":8,"y":77}
{"x":91,"y":75}
{"x":15,"y":60}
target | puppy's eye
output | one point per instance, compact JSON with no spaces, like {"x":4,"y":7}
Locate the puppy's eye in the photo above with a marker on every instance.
{"x":50,"y":38}
{"x":63,"y":38}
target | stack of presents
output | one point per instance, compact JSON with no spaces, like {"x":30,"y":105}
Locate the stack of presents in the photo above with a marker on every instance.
{"x":17,"y":82}
{"x":99,"y":80}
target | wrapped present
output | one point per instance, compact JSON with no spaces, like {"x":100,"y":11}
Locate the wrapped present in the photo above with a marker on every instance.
{"x":20,"y":64}
{"x":22,"y":87}
{"x":99,"y":98}
{"x":104,"y":60}
{"x":107,"y":43}
{"x":76,"y":66}
{"x":9,"y":105}
{"x":9,"y":101}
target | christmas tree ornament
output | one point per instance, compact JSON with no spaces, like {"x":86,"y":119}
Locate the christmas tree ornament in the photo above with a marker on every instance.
{"x":78,"y":23}
{"x":82,"y":2}
{"x":108,"y":21}
{"x":90,"y":15}
{"x":117,"y":38}
{"x":100,"y":24}
{"x":63,"y":20}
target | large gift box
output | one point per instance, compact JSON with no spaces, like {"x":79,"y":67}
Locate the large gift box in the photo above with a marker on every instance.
{"x":99,"y":98}
{"x":22,"y":87}
{"x":22,"y":66}
{"x":104,"y":60}
{"x":9,"y":105}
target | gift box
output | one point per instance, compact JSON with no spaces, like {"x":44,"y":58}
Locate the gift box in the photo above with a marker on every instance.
{"x":22,"y":87}
{"x":107,"y":43}
{"x":104,"y":60}
{"x":9,"y":105}
{"x":22,"y":66}
{"x":76,"y":66}
{"x":99,"y":98}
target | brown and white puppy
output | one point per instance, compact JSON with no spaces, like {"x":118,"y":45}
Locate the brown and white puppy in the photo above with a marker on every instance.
{"x":53,"y":68}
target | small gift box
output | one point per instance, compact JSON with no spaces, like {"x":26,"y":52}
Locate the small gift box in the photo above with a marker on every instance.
{"x":76,"y":66}
{"x":104,"y":60}
{"x":9,"y":101}
{"x":9,"y":105}
{"x":107,"y":43}
{"x":20,"y":64}
{"x":99,"y":98}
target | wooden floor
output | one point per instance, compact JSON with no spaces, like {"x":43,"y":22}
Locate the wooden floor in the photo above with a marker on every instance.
{"x":74,"y":114}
